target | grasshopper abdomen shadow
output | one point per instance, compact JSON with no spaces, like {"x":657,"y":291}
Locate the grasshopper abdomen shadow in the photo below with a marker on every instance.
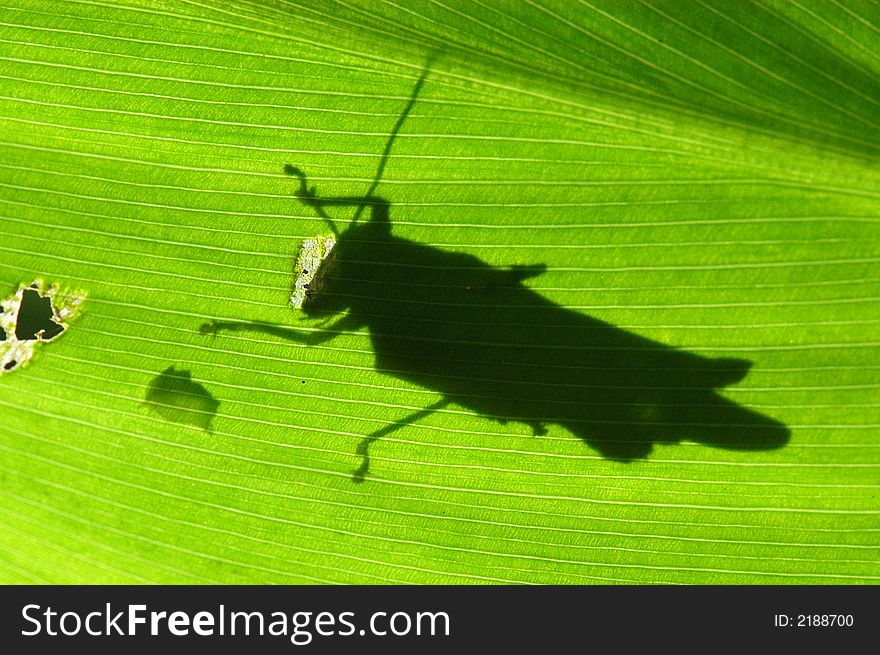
{"x":480,"y":338}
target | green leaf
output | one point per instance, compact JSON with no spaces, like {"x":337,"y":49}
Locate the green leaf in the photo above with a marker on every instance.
{"x":700,"y":180}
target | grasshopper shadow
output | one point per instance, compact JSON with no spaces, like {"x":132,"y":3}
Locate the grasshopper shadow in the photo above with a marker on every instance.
{"x":480,"y":338}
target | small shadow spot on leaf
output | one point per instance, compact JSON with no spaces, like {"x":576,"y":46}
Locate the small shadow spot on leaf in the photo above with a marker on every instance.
{"x":176,"y":398}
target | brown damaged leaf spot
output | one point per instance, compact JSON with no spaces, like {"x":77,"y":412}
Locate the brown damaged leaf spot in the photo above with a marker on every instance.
{"x":33,"y":315}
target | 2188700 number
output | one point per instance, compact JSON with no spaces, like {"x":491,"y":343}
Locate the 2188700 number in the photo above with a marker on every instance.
{"x":824,"y":620}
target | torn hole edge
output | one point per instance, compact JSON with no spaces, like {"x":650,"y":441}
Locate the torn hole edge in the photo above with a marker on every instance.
{"x":66,"y":307}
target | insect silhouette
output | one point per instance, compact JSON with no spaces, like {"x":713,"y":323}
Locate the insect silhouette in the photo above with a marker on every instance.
{"x":480,"y":338}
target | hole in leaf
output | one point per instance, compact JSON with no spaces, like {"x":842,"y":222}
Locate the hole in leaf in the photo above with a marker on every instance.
{"x":308,"y":272}
{"x":33,"y":315}
{"x":36,"y":317}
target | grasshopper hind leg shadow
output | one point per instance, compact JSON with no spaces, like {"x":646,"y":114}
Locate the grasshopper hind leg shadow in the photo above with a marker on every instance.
{"x":363,"y":448}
